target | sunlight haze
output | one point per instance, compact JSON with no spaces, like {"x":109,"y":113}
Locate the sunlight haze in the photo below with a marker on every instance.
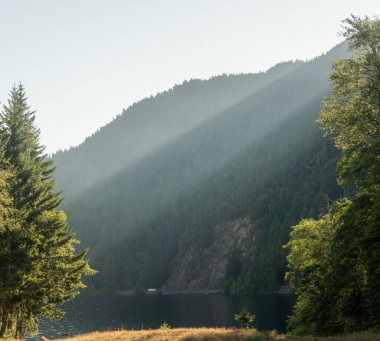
{"x":83,"y":61}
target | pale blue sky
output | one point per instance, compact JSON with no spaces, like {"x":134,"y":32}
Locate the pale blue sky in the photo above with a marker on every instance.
{"x":82,"y":61}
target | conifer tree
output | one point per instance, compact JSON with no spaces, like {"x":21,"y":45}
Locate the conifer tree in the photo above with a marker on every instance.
{"x":12,"y":252}
{"x":50,"y":272}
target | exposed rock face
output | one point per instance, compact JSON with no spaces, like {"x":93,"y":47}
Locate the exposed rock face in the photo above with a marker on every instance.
{"x":204,"y":268}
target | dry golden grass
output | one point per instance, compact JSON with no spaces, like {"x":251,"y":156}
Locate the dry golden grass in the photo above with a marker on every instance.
{"x":209,"y":334}
{"x":180,"y":334}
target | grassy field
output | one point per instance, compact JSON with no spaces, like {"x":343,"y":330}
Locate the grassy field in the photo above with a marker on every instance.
{"x":209,"y":334}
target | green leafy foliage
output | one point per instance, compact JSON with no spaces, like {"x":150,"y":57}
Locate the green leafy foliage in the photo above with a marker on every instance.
{"x":165,"y":326}
{"x":245,"y":319}
{"x":310,"y":266}
{"x":334,"y":263}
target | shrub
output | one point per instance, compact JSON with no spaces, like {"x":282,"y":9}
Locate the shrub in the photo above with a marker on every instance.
{"x":245,"y":319}
{"x":165,"y":326}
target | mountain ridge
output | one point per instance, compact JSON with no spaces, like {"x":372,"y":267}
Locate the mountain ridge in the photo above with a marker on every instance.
{"x":134,"y":220}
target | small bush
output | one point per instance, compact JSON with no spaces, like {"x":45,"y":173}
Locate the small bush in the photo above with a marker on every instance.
{"x":245,"y":319}
{"x":165,"y":326}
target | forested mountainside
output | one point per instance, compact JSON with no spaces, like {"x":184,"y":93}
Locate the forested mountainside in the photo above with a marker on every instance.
{"x":197,"y":187}
{"x":153,"y":122}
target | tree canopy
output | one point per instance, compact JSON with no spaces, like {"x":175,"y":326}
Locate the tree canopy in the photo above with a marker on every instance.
{"x":337,"y":283}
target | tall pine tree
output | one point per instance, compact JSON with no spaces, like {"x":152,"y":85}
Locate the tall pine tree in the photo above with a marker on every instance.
{"x":49,"y":271}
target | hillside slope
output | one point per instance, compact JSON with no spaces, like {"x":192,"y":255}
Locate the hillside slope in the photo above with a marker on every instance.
{"x":159,"y":193}
{"x":153,"y":122}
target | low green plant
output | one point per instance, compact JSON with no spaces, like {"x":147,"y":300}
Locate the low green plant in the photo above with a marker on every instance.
{"x":165,"y":326}
{"x":245,"y":319}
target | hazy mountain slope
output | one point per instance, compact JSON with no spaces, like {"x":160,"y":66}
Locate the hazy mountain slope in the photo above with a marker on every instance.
{"x":151,"y":123}
{"x":262,"y":158}
{"x":273,"y":184}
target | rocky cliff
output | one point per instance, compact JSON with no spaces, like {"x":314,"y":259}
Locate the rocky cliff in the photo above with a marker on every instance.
{"x":204,"y":268}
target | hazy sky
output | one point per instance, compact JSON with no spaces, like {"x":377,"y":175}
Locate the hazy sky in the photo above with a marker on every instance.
{"x":83,"y":61}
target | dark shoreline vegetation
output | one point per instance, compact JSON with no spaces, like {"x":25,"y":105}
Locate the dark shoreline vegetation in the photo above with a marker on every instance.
{"x":225,"y":184}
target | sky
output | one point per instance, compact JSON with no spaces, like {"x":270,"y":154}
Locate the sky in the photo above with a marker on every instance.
{"x":83,"y":61}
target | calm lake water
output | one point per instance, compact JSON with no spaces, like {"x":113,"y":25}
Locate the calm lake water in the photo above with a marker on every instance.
{"x":92,"y":313}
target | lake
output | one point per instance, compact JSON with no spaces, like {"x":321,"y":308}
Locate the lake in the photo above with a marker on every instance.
{"x":94,"y":313}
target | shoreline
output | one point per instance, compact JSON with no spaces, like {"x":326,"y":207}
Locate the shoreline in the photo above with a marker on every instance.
{"x":131,"y":292}
{"x":211,"y":334}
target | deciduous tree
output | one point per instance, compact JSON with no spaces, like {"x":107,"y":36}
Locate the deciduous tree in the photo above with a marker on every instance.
{"x":337,"y":284}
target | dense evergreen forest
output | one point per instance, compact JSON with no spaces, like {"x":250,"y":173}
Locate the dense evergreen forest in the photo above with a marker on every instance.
{"x":154,"y":189}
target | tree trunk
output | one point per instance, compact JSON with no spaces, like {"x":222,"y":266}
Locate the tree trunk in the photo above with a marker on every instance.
{"x":4,"y":323}
{"x":16,"y":332}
